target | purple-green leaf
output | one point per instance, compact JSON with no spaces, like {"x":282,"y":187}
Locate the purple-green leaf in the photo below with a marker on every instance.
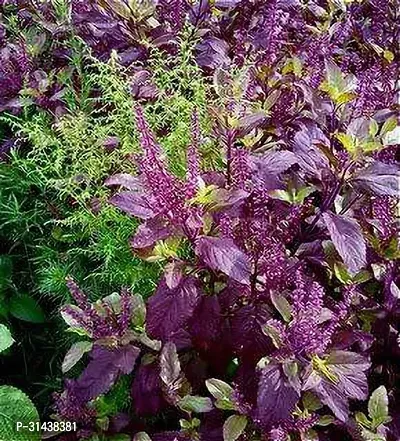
{"x":223,"y":255}
{"x":348,"y":239}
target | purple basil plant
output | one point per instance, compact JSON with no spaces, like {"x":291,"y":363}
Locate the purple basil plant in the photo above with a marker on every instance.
{"x":279,"y":289}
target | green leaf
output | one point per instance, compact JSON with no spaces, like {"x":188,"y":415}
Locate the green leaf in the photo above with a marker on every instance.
{"x":389,"y":125}
{"x":388,"y":55}
{"x":310,"y":435}
{"x":378,"y":406}
{"x":371,"y":436}
{"x":194,"y":403}
{"x":5,"y":271}
{"x":371,"y":146}
{"x":225,"y":404}
{"x":75,"y":353}
{"x":325,"y":420}
{"x":362,"y":277}
{"x":341,"y":273}
{"x":218,"y":388}
{"x":392,"y":137}
{"x":15,"y":407}
{"x":348,"y":141}
{"x":138,"y":316}
{"x":311,"y":402}
{"x":3,"y":305}
{"x":124,"y":437}
{"x":234,"y":426}
{"x":338,"y":86}
{"x":282,"y":305}
{"x":6,"y":339}
{"x":273,"y":333}
{"x":373,"y":128}
{"x":302,"y":193}
{"x":362,"y":419}
{"x":24,"y":307}
{"x":142,"y":436}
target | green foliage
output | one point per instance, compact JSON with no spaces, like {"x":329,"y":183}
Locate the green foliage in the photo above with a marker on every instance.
{"x":6,"y":339}
{"x":16,"y":407}
{"x":117,"y":400}
{"x":48,"y":189}
{"x":24,"y":307}
{"x":378,"y":414}
{"x":55,"y":220}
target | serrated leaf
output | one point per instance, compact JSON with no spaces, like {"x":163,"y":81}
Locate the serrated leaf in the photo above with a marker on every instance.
{"x":234,"y":426}
{"x":378,"y":406}
{"x":16,"y":407}
{"x":24,"y":307}
{"x":194,"y":403}
{"x":282,"y":305}
{"x":6,"y":339}
{"x":75,"y":353}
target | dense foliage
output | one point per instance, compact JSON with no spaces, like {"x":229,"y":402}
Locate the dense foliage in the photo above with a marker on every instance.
{"x":206,"y":192}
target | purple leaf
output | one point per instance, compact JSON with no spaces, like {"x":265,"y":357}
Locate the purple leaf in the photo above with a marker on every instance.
{"x":277,"y":162}
{"x":147,"y":390}
{"x":247,"y":337}
{"x":103,"y":370}
{"x":127,"y":359}
{"x":173,"y":273}
{"x":267,"y":168}
{"x":348,"y":239}
{"x":227,"y":198}
{"x":170,"y":366}
{"x":150,"y":232}
{"x":135,"y":204}
{"x":111,"y":143}
{"x":210,"y":333}
{"x":276,"y":398}
{"x":226,"y":3}
{"x":223,"y":255}
{"x":251,"y":122}
{"x":125,"y":180}
{"x":207,"y":322}
{"x":170,"y":309}
{"x":348,"y":381}
{"x":379,"y":178}
{"x":310,"y":157}
{"x":349,"y":368}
